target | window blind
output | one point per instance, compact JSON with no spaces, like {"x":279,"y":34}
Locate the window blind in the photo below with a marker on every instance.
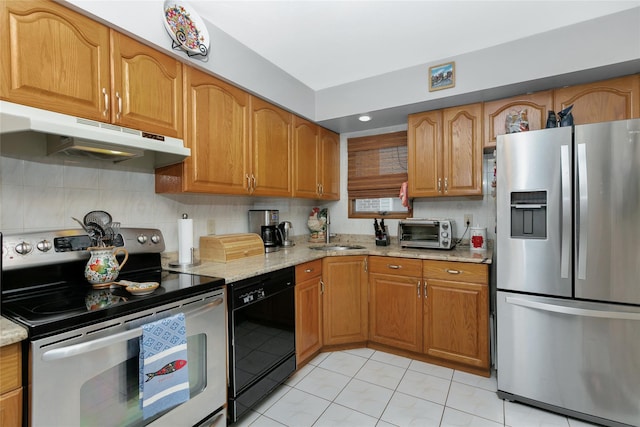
{"x":377,"y":165}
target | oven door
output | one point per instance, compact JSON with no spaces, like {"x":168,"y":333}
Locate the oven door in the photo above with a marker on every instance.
{"x":89,"y":376}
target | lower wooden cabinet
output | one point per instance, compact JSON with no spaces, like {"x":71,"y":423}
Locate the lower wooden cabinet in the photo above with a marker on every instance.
{"x":308,"y":310}
{"x":344,"y":305}
{"x":11,"y":385}
{"x":435,"y":311}
{"x":456,"y":310}
{"x":395,"y":302}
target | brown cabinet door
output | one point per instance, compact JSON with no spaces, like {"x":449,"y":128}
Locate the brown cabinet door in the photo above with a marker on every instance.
{"x":146,"y":90}
{"x":308,"y":318}
{"x":615,"y":99}
{"x":456,"y":326}
{"x":536,"y":104}
{"x":217,"y":132}
{"x":395,"y":311}
{"x":345,"y":305}
{"x":329,"y":165}
{"x":462,"y":150}
{"x":306,"y":158}
{"x":53,"y":58}
{"x":271,"y":149}
{"x":11,"y":408}
{"x":424,"y":148}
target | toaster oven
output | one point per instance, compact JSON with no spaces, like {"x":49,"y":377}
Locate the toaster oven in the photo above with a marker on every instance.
{"x":427,"y":233}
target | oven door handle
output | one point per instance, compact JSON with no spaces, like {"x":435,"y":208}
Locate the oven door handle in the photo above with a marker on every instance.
{"x":85,"y":347}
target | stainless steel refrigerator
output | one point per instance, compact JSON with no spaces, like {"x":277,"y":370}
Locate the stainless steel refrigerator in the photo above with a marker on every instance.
{"x":568,"y":270}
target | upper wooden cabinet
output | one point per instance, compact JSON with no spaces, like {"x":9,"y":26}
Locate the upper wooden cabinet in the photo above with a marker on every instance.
{"x":445,"y":152}
{"x":537,"y":105}
{"x":424,"y":154}
{"x":316,"y":160}
{"x":217,"y":131}
{"x":54,"y":58}
{"x":271,"y":165}
{"x":615,"y":99}
{"x":329,"y":165}
{"x":58,"y":60}
{"x":146,"y":92}
{"x":306,"y":158}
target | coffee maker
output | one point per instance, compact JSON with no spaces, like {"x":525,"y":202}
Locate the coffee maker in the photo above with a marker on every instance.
{"x":264,"y":223}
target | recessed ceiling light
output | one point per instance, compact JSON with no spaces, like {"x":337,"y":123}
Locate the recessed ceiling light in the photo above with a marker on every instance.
{"x":364,"y":118}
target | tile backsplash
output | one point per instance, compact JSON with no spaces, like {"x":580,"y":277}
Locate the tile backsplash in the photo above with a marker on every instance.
{"x":39,"y":192}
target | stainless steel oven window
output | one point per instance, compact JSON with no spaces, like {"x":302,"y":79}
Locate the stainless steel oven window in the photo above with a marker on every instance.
{"x":112,"y":396}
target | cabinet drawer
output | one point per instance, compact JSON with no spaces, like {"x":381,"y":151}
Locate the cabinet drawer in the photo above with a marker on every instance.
{"x":10,"y":367}
{"x":456,"y":271}
{"x":308,"y":270}
{"x":396,"y":266}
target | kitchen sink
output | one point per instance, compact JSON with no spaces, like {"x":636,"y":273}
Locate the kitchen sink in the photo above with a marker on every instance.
{"x":336,"y":247}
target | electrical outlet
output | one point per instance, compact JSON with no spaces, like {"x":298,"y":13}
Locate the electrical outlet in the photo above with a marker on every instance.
{"x":211,"y":227}
{"x":468,"y":220}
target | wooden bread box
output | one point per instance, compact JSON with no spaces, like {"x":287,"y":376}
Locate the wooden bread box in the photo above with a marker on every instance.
{"x":230,"y":247}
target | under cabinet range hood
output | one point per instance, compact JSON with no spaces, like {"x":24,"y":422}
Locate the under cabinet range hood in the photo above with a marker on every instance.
{"x":76,"y":136}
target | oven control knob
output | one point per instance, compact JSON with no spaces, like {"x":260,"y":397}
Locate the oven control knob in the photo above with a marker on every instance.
{"x":155,"y":239}
{"x":44,"y":246}
{"x":445,"y":225}
{"x":23,"y":248}
{"x":142,"y":239}
{"x":445,"y":243}
{"x":444,"y":234}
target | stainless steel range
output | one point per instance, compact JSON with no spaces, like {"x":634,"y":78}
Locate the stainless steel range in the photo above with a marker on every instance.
{"x":83,"y":346}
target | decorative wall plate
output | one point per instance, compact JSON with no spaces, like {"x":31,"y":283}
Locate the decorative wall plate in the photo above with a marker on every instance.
{"x":186,"y":28}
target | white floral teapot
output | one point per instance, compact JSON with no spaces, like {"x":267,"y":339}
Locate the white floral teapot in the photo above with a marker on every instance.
{"x":103,"y":267}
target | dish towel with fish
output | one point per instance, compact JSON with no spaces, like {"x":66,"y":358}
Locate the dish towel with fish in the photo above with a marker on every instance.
{"x":164,"y":374}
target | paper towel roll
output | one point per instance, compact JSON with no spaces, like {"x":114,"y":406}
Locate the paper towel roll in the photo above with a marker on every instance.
{"x":185,"y":240}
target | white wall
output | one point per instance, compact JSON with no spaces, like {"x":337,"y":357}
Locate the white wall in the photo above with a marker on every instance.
{"x":39,"y":192}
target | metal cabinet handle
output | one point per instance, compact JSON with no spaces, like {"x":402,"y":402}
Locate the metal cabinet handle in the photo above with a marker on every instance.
{"x":119,"y":98}
{"x":248,"y":182}
{"x":321,"y":287}
{"x":453,"y":271}
{"x":394,"y":266}
{"x":309,"y":270}
{"x":446,"y":185}
{"x":253,"y":179}
{"x":105,"y":112}
{"x":439,"y":185}
{"x":419,"y":285}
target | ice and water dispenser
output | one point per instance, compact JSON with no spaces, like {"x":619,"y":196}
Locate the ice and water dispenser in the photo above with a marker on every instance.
{"x":529,"y":214}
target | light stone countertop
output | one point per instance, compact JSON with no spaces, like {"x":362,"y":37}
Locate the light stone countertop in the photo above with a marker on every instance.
{"x":252,"y":266}
{"x":10,"y":332}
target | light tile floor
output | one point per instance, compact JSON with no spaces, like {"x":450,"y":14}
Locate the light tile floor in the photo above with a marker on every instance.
{"x":364,"y":387}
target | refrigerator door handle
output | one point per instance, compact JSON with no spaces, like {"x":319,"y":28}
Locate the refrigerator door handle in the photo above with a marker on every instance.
{"x":565,"y":242}
{"x":582,"y":216}
{"x":575,"y":311}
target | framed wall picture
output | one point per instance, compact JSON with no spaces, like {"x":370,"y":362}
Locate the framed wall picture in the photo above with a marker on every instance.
{"x":442,"y":76}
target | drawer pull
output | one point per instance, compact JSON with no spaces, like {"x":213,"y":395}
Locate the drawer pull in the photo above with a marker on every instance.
{"x":453,"y":271}
{"x":419,"y":284}
{"x":309,"y":270}
{"x":394,"y":266}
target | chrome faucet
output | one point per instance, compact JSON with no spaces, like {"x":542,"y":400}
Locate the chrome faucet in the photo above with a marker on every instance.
{"x":327,"y":236}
